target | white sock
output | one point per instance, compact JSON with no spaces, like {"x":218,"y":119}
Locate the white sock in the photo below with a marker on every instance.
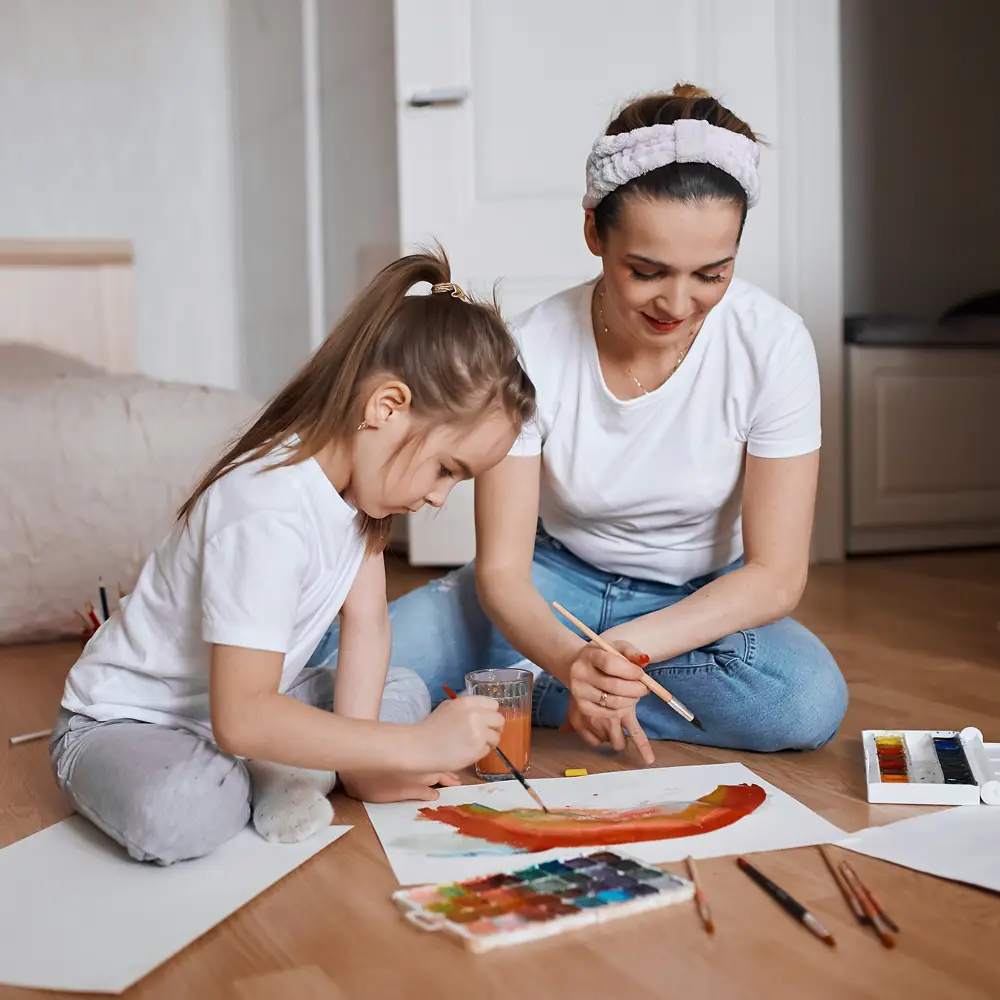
{"x":289,"y":803}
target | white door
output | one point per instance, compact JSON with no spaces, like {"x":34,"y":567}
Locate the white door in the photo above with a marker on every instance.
{"x":497,"y":107}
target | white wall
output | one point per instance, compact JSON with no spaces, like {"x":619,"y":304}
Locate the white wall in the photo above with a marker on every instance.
{"x":116,"y":123}
{"x":921,"y":146}
{"x":358,"y":123}
{"x":269,"y":133}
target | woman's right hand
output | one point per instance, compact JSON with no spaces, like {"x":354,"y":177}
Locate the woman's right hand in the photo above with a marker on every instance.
{"x":457,"y":733}
{"x":605,"y":685}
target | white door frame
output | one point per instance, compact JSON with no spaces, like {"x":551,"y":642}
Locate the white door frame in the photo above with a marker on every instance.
{"x":811,"y":236}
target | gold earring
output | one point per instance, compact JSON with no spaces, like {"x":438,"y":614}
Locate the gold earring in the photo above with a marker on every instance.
{"x":362,"y":425}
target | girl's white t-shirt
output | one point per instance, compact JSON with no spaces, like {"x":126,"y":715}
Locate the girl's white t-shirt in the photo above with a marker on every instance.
{"x":266,"y":562}
{"x":651,"y":487}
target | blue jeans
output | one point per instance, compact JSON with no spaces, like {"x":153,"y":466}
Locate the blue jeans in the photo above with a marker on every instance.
{"x":771,"y":688}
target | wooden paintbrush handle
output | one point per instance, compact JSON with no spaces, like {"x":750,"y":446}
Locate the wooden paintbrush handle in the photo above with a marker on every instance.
{"x":657,"y":688}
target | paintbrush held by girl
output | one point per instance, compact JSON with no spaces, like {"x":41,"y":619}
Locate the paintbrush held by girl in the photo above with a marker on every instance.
{"x":190,"y":710}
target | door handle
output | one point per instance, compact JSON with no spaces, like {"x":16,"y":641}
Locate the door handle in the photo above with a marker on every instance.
{"x":439,"y":97}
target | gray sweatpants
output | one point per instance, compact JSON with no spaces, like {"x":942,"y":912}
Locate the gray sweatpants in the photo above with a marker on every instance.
{"x":167,"y":794}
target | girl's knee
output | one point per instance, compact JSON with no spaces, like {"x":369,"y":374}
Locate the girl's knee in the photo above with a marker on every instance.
{"x":405,"y":698}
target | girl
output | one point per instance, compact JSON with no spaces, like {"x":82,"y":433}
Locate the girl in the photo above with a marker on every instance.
{"x":672,"y":464}
{"x":176,"y":699}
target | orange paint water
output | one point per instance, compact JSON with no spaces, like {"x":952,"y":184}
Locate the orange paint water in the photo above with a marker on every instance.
{"x":515,"y":742}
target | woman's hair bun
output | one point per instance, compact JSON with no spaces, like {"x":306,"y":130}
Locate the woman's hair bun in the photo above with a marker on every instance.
{"x":690,"y":92}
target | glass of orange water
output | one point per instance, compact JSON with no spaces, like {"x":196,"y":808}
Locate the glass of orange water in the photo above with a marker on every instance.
{"x":511,"y":686}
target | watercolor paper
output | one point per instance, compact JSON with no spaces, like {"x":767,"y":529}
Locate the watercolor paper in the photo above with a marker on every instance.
{"x":706,"y":811}
{"x":76,"y":913}
{"x":962,"y":844}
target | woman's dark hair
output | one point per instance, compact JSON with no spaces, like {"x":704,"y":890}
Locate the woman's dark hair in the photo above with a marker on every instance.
{"x":678,"y":181}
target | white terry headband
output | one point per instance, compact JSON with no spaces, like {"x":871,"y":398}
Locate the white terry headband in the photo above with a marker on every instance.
{"x":617,"y":159}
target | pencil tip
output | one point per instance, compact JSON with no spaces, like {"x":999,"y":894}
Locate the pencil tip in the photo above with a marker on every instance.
{"x":696,"y":722}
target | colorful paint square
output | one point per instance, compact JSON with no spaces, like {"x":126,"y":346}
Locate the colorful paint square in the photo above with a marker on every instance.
{"x":550,"y":885}
{"x":530,"y":874}
{"x":589,"y":902}
{"x":553,"y":867}
{"x":574,"y":863}
{"x":646,"y":874}
{"x":644,"y":889}
{"x":482,"y":928}
{"x":605,"y":858}
{"x":424,"y":896}
{"x":451,"y":891}
{"x":614,"y":896}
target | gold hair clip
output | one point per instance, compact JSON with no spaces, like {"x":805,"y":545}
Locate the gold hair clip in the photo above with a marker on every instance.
{"x":449,"y":288}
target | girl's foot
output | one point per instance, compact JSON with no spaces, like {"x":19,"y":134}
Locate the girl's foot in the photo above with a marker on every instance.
{"x":289,"y":803}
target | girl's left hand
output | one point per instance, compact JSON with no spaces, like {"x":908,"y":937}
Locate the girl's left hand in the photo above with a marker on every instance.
{"x":396,"y":786}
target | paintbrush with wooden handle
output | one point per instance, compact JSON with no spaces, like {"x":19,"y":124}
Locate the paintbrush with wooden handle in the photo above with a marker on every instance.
{"x":658,"y":689}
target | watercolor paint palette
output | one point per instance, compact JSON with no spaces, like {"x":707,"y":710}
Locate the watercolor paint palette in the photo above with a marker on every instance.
{"x":931,"y":767}
{"x":541,"y":901}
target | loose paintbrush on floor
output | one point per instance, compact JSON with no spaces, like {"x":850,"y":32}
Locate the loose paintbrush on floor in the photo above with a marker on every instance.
{"x":510,"y":767}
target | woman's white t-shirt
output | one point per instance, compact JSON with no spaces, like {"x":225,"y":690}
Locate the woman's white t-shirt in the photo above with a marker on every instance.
{"x":266,"y":562}
{"x":651,"y":487}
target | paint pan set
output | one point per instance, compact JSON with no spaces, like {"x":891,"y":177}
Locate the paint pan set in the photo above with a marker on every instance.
{"x":931,"y":767}
{"x":541,"y":901}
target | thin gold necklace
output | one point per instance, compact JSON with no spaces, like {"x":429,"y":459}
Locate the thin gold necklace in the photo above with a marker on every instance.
{"x":629,"y":372}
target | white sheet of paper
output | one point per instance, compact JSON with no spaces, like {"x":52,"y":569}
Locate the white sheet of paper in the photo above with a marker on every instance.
{"x":76,"y":913}
{"x":962,"y":844}
{"x":425,"y":851}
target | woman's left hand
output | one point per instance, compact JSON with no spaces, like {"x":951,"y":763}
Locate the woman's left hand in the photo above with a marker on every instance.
{"x":598,"y":731}
{"x":397,"y":786}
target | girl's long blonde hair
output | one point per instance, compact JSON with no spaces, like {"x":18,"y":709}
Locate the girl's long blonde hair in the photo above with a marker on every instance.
{"x":456,"y":355}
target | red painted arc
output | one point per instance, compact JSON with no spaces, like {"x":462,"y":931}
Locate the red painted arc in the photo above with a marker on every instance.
{"x":535,"y":830}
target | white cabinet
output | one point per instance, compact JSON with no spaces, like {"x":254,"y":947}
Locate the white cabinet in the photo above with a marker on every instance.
{"x":924,"y":454}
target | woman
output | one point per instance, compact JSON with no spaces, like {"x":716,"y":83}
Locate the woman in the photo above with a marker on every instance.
{"x":665,"y":492}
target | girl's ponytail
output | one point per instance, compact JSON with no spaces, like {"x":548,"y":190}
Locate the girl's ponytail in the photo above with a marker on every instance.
{"x":456,"y":356}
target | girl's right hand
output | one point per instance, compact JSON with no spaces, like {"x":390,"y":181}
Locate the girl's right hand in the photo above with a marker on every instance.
{"x":458,"y":733}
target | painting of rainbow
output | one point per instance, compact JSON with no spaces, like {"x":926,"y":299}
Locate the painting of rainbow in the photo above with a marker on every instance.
{"x":657,"y":814}
{"x":534,"y":830}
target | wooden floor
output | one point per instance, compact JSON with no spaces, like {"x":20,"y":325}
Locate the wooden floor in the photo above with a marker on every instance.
{"x":918,"y":640}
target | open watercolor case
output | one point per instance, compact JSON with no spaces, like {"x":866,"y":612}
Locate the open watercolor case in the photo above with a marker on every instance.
{"x":931,"y":767}
{"x":541,"y":901}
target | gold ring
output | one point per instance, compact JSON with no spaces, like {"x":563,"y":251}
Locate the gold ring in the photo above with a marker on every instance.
{"x":604,"y":699}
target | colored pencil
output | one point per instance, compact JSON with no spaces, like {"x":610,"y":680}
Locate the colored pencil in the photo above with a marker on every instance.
{"x":28,"y":737}
{"x":789,"y":905}
{"x":658,"y":689}
{"x":510,"y":767}
{"x":866,"y":891}
{"x":699,"y":897}
{"x":845,"y":890}
{"x":104,"y":599}
{"x":92,"y":615}
{"x":874,"y":917}
{"x":86,"y":624}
